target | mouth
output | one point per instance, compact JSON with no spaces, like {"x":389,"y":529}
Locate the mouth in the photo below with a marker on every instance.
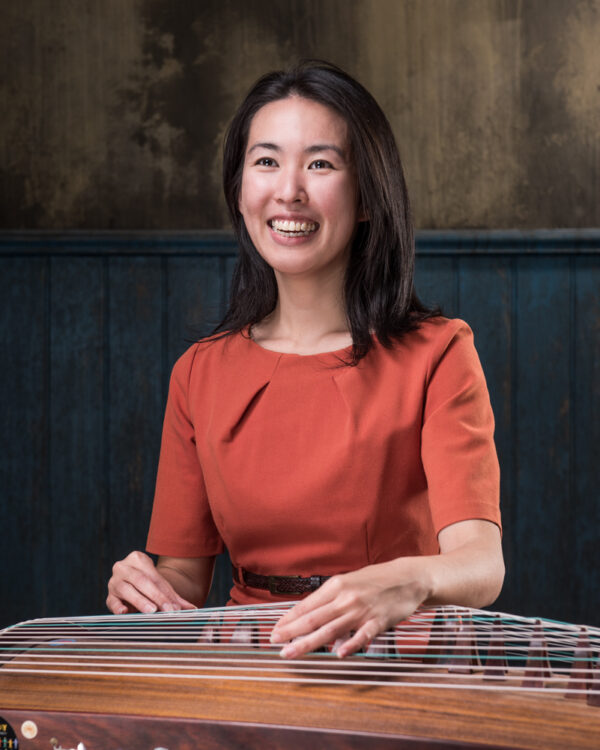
{"x":286,"y":228}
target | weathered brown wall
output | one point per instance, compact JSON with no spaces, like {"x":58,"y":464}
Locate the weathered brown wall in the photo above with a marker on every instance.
{"x":113,"y":111}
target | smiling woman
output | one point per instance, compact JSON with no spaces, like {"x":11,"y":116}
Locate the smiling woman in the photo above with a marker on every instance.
{"x":299,"y":195}
{"x":333,"y":433}
{"x":299,"y":201}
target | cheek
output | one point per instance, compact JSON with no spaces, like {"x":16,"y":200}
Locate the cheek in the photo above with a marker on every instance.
{"x":250,"y":198}
{"x":341,"y":196}
{"x":344,"y":203}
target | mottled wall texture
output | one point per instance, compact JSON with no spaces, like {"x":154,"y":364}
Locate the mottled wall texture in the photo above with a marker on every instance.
{"x":113,"y":111}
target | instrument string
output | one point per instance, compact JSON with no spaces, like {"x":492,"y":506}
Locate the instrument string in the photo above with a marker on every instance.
{"x":434,"y":647}
{"x":323,"y":680}
{"x":299,"y":666}
{"x":64,"y":646}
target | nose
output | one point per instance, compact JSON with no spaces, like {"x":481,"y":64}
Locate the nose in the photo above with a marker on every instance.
{"x":291,"y":187}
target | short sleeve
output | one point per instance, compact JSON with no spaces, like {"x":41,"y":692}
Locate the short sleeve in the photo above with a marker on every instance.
{"x":182,"y":524}
{"x":457,"y":449}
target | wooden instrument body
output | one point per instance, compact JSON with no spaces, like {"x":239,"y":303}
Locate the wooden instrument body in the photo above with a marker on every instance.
{"x":181,"y":706}
{"x":444,"y":717}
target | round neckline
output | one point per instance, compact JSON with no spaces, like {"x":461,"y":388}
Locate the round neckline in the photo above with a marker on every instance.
{"x":332,"y":353}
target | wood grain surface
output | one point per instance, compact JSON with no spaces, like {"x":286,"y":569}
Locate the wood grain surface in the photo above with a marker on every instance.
{"x":494,"y":719}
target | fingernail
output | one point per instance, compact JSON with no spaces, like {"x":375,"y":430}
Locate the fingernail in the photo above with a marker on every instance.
{"x":289,"y":651}
{"x":149,"y":608}
{"x":276,"y":637}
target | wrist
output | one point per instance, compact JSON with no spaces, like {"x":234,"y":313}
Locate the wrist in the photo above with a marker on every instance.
{"x":418,"y":574}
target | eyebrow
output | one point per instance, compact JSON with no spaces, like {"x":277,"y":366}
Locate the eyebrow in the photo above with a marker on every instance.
{"x":316,"y":148}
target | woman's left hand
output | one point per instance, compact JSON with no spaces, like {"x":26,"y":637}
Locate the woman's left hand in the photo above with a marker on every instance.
{"x":365,"y":602}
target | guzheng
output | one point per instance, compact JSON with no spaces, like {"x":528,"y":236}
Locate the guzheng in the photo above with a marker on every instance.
{"x":447,"y":677}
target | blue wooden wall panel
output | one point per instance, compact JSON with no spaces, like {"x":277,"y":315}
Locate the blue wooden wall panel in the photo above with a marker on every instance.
{"x":584,"y":558}
{"x":25,"y":522}
{"x":197,"y":290}
{"x":136,"y":334}
{"x":94,"y":322}
{"x":484,"y":302}
{"x":194,"y":301}
{"x":542,"y":450}
{"x":77,"y":497}
{"x":436,"y":282}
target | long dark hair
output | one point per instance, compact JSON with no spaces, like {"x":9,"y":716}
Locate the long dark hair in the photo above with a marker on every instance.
{"x":379,"y":293}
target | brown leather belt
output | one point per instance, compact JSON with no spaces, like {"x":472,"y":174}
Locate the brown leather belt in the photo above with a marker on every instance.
{"x":278,"y":584}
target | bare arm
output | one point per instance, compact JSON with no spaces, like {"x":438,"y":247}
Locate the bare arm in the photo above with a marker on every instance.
{"x":174,"y":583}
{"x":470,"y":568}
{"x":468,"y":571}
{"x":190,"y":577}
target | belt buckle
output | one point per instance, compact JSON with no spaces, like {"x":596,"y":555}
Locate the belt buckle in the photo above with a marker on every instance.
{"x":272,"y":582}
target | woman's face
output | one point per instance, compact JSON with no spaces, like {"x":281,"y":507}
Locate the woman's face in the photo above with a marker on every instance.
{"x":299,"y":195}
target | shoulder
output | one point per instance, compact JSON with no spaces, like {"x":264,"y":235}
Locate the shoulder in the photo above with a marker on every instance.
{"x":207,"y":354}
{"x":440,"y":349}
{"x":421,"y":356}
{"x":450,"y":362}
{"x":438,"y":332}
{"x":430,"y":341}
{"x":448,"y":349}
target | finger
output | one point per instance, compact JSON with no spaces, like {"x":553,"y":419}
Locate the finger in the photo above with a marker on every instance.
{"x":116,"y":605}
{"x":154,"y":587}
{"x":306,"y":623}
{"x":326,"y":634}
{"x":120,"y":607}
{"x":360,"y":640}
{"x":184,"y":604}
{"x":339,"y":642}
{"x":131,"y":596}
{"x":309,"y":615}
{"x":145,"y":589}
{"x":305,"y":606}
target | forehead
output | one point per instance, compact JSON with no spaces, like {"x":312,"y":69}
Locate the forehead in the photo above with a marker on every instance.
{"x":297,"y":121}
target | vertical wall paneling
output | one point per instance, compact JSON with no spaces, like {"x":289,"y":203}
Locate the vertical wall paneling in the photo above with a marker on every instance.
{"x":194,"y":300}
{"x":485,"y":303}
{"x":544,"y":327}
{"x":197,"y":292}
{"x":93,"y":322}
{"x":25,"y":523}
{"x":436,"y":283}
{"x":76,"y":502}
{"x":584,"y":510}
{"x":135,"y":324}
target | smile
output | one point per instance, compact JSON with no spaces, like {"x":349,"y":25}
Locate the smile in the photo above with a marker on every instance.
{"x":293,"y":228}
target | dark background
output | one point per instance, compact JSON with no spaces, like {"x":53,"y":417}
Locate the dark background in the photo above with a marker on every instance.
{"x":112,"y":242}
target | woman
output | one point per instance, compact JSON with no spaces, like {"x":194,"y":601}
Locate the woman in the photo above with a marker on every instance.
{"x":335,"y":435}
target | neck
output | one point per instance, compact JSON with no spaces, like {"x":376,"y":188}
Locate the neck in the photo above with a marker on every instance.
{"x":309,"y":318}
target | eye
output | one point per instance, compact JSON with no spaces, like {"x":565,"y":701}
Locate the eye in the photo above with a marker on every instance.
{"x":320,"y":164}
{"x":265,"y":161}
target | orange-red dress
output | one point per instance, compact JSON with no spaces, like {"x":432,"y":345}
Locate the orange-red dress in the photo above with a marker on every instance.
{"x":303,"y":466}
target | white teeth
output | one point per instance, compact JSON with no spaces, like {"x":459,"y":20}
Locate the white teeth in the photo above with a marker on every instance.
{"x":294,"y":228}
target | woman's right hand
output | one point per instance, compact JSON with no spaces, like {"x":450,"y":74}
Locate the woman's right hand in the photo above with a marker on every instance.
{"x":137,"y":586}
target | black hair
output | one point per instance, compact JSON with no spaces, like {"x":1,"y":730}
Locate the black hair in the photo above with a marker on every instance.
{"x":379,"y":293}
